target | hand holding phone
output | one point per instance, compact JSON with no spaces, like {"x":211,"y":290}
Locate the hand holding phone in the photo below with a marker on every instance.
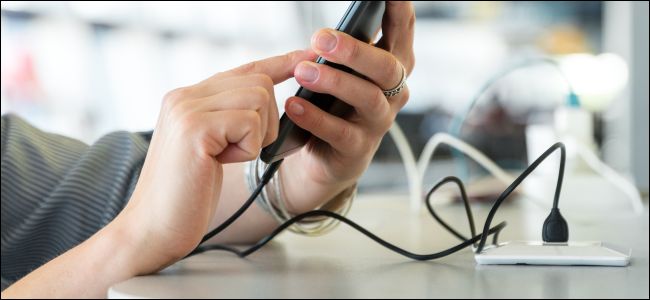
{"x":362,"y":20}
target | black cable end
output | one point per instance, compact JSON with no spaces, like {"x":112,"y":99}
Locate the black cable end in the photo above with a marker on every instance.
{"x":270,"y":171}
{"x":556,"y":229}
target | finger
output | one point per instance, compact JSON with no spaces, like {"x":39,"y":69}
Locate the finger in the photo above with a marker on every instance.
{"x":254,"y":98}
{"x":245,"y":81}
{"x":398,"y":101}
{"x":398,"y":26}
{"x":210,"y":87}
{"x":231,"y":136}
{"x":204,"y":90}
{"x":366,"y":98}
{"x":338,"y":133}
{"x":278,"y":68}
{"x":378,"y":65}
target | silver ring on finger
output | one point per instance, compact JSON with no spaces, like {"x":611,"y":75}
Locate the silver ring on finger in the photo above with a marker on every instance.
{"x":400,"y":86}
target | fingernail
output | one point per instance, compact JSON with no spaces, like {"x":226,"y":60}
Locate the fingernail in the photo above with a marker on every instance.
{"x":296,"y":108}
{"x":326,"y":41}
{"x":307,"y":72}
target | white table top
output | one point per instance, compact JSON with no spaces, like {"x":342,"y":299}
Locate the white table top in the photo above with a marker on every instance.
{"x":346,"y":264}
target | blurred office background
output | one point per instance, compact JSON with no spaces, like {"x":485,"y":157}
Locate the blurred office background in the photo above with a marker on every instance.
{"x":87,"y":68}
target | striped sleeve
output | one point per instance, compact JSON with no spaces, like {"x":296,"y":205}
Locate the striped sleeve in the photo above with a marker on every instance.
{"x":57,"y":192}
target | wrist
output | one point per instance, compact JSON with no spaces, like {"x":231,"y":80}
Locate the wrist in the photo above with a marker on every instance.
{"x":302,"y":192}
{"x":306,"y":194}
{"x":125,"y":246}
{"x":134,"y":250}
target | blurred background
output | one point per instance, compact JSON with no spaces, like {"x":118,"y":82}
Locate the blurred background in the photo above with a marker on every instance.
{"x":84,"y":69}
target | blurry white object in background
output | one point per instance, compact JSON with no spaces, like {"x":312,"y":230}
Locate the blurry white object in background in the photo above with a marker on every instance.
{"x":625,"y":121}
{"x":106,"y":12}
{"x":597,"y":190}
{"x":597,"y":79}
{"x":408,"y":159}
{"x":84,"y":69}
{"x":135,"y":77}
{"x":574,"y":124}
{"x":476,"y":155}
{"x":538,"y":138}
{"x":604,"y":188}
{"x":616,"y":179}
{"x":590,"y":185}
{"x":452,"y":60}
{"x":60,"y":50}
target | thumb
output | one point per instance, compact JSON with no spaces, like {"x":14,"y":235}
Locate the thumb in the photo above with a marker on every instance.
{"x":279,"y":68}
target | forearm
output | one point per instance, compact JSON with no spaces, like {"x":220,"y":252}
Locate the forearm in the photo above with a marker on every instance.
{"x":87,"y":270}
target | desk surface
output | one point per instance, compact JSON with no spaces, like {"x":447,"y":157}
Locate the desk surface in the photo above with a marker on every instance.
{"x":345,"y":264}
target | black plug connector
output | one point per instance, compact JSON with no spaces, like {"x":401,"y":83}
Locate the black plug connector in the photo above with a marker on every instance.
{"x":556,"y":229}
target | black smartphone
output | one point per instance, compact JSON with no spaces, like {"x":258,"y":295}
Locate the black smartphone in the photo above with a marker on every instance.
{"x":362,"y":20}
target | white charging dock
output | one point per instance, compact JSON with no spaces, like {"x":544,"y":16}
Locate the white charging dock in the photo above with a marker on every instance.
{"x":539,"y":253}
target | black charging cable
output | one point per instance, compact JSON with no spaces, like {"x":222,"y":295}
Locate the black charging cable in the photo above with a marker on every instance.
{"x":555,"y":229}
{"x":550,"y":232}
{"x":266,"y":177}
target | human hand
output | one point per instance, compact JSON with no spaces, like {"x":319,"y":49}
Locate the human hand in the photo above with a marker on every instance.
{"x":344,"y":147}
{"x":224,"y":119}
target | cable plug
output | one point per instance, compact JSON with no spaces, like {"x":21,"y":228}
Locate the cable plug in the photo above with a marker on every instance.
{"x":556,"y":229}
